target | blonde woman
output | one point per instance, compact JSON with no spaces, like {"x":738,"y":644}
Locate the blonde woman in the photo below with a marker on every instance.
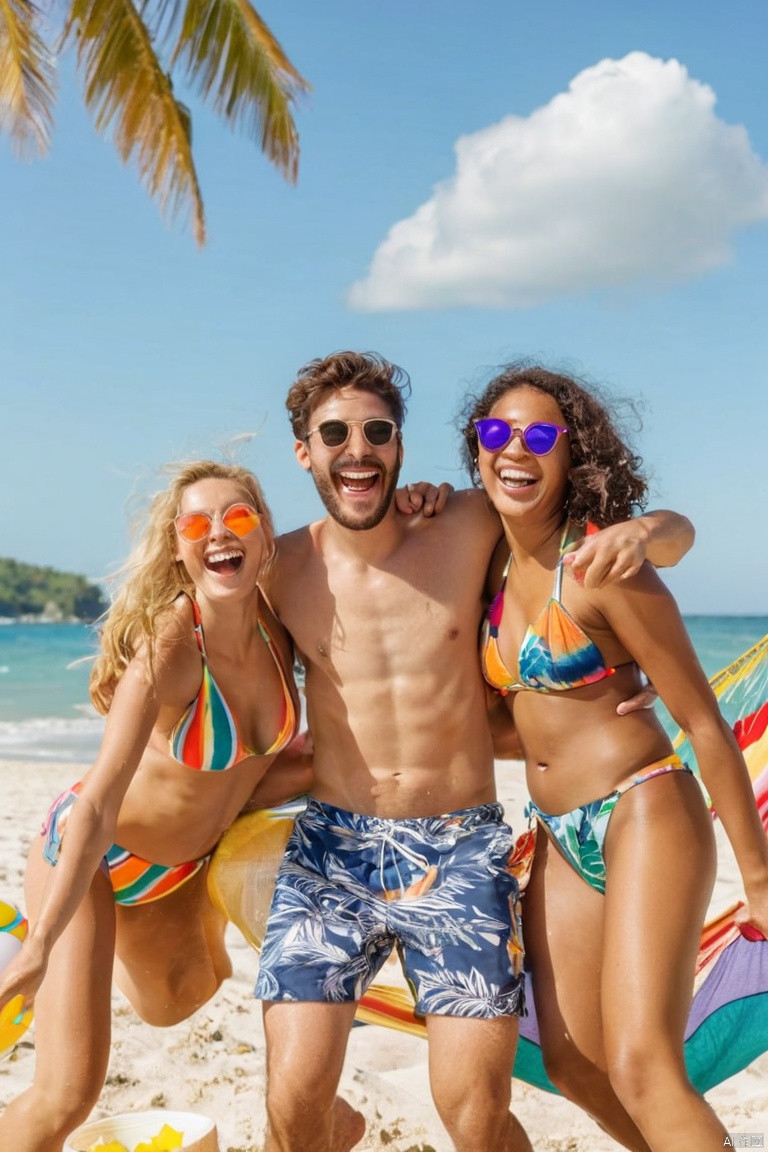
{"x":195,"y":678}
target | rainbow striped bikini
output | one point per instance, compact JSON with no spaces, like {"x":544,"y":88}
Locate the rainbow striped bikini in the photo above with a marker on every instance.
{"x":134,"y":881}
{"x":206,"y":738}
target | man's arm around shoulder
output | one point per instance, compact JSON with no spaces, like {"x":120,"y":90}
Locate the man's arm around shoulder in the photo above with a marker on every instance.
{"x":669,"y":536}
{"x":662,"y":538}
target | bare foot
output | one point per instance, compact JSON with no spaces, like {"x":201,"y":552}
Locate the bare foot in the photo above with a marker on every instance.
{"x":348,"y":1126}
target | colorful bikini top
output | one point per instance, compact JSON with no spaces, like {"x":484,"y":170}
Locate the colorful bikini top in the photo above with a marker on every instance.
{"x":206,"y":737}
{"x":556,"y":654}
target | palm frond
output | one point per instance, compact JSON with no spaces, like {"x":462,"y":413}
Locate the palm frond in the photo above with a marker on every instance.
{"x":131,"y":98}
{"x":27,"y":90}
{"x":162,"y":17}
{"x":231,"y":54}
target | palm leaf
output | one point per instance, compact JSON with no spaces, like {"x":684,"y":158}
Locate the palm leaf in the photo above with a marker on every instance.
{"x":130,"y":94}
{"x":232,"y":55}
{"x":26,"y":78}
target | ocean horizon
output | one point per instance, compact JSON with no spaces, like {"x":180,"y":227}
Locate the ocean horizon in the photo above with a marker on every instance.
{"x":45,"y":712}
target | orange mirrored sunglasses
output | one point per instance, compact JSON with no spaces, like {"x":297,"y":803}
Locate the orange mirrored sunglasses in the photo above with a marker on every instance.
{"x":238,"y":518}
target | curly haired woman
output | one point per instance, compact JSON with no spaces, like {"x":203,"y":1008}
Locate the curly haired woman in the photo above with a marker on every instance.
{"x":625,"y":855}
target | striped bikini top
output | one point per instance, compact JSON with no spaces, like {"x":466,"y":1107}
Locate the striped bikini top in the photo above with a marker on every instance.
{"x":556,"y":654}
{"x":207,"y":737}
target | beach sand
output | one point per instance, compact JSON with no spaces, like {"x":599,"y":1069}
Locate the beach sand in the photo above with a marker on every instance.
{"x":214,"y":1063}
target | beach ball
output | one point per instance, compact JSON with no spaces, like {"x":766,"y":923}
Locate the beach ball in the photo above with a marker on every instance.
{"x":13,"y":1022}
{"x":242,"y":871}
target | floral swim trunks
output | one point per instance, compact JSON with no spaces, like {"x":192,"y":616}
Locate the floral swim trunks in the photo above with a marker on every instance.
{"x":438,"y":888}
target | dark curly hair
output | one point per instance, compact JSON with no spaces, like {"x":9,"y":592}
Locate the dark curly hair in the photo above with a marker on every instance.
{"x":606,"y":484}
{"x":367,"y":371}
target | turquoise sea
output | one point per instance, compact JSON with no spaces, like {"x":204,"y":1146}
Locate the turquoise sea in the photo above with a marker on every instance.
{"x":45,"y":713}
{"x":44,"y":668}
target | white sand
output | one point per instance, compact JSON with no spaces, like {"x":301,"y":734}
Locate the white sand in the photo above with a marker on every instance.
{"x":214,"y":1063}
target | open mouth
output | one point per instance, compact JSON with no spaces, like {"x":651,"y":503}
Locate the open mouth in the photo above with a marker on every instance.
{"x":224,"y":563}
{"x":516,"y":480}
{"x":357,"y":482}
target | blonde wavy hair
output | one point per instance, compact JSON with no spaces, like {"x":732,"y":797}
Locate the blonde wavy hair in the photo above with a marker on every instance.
{"x":152,"y":578}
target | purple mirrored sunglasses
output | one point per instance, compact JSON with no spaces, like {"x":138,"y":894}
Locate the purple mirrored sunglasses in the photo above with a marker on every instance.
{"x":539,"y":438}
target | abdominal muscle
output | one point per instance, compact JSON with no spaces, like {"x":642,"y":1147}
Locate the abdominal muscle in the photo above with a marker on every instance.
{"x":398,"y":747}
{"x":577,"y":748}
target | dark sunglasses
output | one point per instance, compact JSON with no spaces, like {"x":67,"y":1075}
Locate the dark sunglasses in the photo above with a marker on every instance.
{"x":336,"y":433}
{"x":241,"y":519}
{"x":539,"y":438}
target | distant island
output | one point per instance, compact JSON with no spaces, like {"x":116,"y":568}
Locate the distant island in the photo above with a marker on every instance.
{"x":28,"y":592}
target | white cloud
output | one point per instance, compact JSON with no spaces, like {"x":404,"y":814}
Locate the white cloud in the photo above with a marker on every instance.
{"x":628,"y":176}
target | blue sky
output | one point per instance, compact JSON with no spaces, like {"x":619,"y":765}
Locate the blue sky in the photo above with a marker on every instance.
{"x":583,"y":184}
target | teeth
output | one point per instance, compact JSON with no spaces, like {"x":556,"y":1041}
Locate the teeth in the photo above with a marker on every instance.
{"x":516,"y":479}
{"x":218,"y":557}
{"x":358,"y":475}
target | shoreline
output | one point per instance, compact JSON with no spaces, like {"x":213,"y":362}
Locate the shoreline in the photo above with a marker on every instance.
{"x":214,"y":1062}
{"x":29,"y":618}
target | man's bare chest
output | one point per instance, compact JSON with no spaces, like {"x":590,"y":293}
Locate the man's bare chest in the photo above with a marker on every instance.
{"x":384,"y":622}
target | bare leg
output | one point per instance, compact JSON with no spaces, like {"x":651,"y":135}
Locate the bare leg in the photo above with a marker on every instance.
{"x":72,"y":1022}
{"x":563,"y":924}
{"x":661,"y":866}
{"x":170,"y":960}
{"x":170,"y":954}
{"x":348,"y":1126}
{"x":306,"y":1045}
{"x":613,"y":975}
{"x":472,"y":1093}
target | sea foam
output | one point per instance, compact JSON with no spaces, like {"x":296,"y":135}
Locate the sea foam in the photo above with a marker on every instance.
{"x":52,"y":738}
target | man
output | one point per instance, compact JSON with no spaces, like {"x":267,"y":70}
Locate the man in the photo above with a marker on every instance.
{"x":384,"y":611}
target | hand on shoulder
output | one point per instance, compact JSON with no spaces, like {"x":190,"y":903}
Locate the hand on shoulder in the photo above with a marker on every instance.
{"x":422,"y":496}
{"x":613,"y":553}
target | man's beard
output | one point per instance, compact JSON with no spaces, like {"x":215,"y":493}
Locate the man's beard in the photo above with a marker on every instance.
{"x":333,"y":505}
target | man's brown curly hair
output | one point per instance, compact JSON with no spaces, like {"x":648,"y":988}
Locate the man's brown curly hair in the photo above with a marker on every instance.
{"x":605,"y":481}
{"x":367,"y":371}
